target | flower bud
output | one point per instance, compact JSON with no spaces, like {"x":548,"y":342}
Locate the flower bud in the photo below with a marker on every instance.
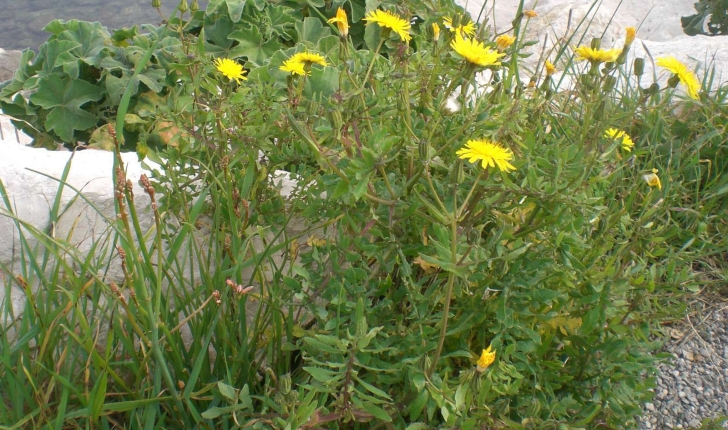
{"x":156,"y":4}
{"x":596,"y":43}
{"x":609,"y":83}
{"x":286,"y":383}
{"x":631,"y":33}
{"x":550,"y":68}
{"x":183,"y":6}
{"x":435,"y":32}
{"x":195,"y":6}
{"x":503,"y":41}
{"x":424,"y":149}
{"x":639,"y":66}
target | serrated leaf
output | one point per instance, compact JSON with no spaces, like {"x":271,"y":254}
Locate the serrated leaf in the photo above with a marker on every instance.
{"x":233,"y":8}
{"x":253,"y":46}
{"x":64,"y":98}
{"x":311,"y":30}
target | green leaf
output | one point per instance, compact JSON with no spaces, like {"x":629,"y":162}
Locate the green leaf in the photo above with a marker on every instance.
{"x":418,"y":404}
{"x":64,"y":98}
{"x":253,"y":46}
{"x":311,"y":30}
{"x":91,"y":39}
{"x":323,"y":82}
{"x":234,"y":8}
{"x":227,"y":391}
{"x":377,"y":411}
{"x":372,"y":389}
{"x":323,"y":375}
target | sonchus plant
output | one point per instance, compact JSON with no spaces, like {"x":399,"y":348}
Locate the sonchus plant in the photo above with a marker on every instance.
{"x":502,"y":264}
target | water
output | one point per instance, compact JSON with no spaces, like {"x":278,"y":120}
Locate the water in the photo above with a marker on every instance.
{"x":22,"y":21}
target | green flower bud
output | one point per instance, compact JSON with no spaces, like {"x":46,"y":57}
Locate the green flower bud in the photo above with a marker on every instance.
{"x":424,"y":149}
{"x":609,"y":83}
{"x":156,"y":3}
{"x":335,"y":119}
{"x":183,"y":6}
{"x":194,"y":7}
{"x":286,"y":383}
{"x":639,"y":66}
{"x":533,"y":408}
{"x":596,"y":43}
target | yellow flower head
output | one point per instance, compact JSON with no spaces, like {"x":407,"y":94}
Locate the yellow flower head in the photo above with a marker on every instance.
{"x":616,"y":134}
{"x":475,"y":52}
{"x":487,"y":357}
{"x":631,"y":33}
{"x":389,"y":20}
{"x":530,"y":13}
{"x":341,"y":22}
{"x":503,"y":41}
{"x":467,"y":29}
{"x":550,"y":68}
{"x":298,"y":63}
{"x":230,"y":69}
{"x":435,"y":32}
{"x":652,"y":179}
{"x":490,"y":154}
{"x":597,"y":55}
{"x":686,"y":76}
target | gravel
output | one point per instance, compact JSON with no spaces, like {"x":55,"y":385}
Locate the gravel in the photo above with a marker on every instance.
{"x":694,"y":386}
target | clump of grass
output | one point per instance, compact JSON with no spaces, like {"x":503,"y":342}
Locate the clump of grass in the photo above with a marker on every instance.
{"x":502,"y":265}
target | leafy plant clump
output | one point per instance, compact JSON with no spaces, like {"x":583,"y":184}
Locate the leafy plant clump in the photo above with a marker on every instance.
{"x":711,"y":19}
{"x":467,"y":246}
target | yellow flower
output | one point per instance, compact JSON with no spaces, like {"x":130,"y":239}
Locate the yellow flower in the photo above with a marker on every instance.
{"x":490,"y":154}
{"x":389,"y":20}
{"x":550,"y":68}
{"x":631,"y":33}
{"x":474,"y":52}
{"x":435,"y":32}
{"x":530,"y":13}
{"x":597,"y":55}
{"x":503,"y":41}
{"x":298,"y":63}
{"x":686,"y":76}
{"x":487,"y":357}
{"x":468,"y":29}
{"x":652,"y":179}
{"x":616,"y":134}
{"x":230,"y":69}
{"x":341,"y":22}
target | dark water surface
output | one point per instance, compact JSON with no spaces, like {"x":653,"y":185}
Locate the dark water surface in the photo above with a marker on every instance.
{"x":22,"y":21}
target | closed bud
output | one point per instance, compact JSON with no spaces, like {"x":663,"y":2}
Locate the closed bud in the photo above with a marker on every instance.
{"x":629,"y":38}
{"x":609,"y":83}
{"x":156,"y":3}
{"x":194,"y":7}
{"x":533,"y":408}
{"x":596,"y":43}
{"x":639,"y":66}
{"x":183,"y":6}
{"x":335,"y":119}
{"x":457,"y":176}
{"x":424,"y":149}
{"x":286,"y":383}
